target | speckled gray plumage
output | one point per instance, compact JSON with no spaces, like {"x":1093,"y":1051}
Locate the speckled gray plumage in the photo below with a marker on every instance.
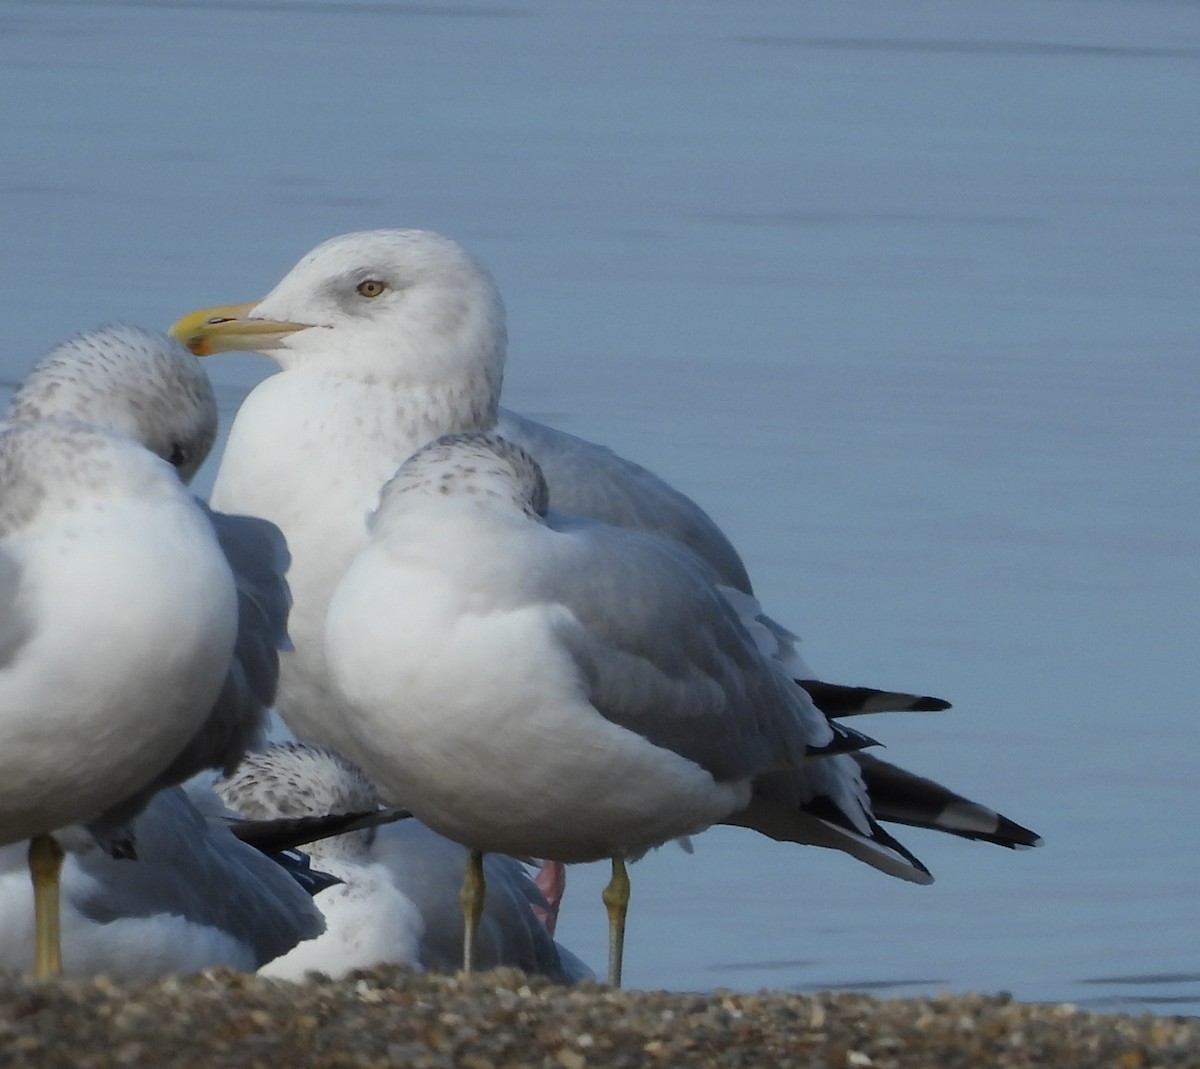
{"x":168,"y":405}
{"x":293,"y":779}
{"x":142,"y":384}
{"x":473,"y":464}
{"x":301,"y":779}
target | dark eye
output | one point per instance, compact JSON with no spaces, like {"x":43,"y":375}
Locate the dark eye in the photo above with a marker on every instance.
{"x":371,"y":287}
{"x":180,"y":455}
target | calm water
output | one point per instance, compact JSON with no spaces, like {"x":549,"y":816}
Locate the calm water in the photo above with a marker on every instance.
{"x":906,"y":295}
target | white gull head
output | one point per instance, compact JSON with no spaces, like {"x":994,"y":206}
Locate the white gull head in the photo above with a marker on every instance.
{"x":405,"y":307}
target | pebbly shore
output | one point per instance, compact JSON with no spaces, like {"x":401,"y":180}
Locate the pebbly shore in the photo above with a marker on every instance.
{"x":392,"y":1017}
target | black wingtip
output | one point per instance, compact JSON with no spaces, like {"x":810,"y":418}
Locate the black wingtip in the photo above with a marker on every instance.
{"x":911,"y":867}
{"x":1008,"y":834}
{"x":1015,"y":836}
{"x":882,"y":836}
{"x":835,"y":699}
{"x":283,"y":833}
{"x":902,"y":797}
{"x":298,"y":865}
{"x":928,"y":704}
{"x":845,"y":740}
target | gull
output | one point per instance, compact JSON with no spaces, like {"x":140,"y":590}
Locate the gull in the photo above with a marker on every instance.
{"x":118,"y":617}
{"x":397,"y":897}
{"x":539,"y":684}
{"x":123,"y":385}
{"x":196,"y":898}
{"x":142,"y":384}
{"x":385,"y":340}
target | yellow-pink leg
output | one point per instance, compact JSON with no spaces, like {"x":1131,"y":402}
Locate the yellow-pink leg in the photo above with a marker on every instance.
{"x":471,"y":899}
{"x":45,"y":866}
{"x":616,"y":901}
{"x":551,"y":880}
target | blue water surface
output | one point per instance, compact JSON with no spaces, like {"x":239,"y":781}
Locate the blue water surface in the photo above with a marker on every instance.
{"x":906,"y":295}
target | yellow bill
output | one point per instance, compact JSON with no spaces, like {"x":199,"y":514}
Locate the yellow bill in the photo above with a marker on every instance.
{"x":228,"y":327}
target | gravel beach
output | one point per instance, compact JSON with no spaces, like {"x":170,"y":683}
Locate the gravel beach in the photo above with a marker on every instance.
{"x":390,"y":1017}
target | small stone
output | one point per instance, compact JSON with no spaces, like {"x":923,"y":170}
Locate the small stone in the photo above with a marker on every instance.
{"x":571,"y":1059}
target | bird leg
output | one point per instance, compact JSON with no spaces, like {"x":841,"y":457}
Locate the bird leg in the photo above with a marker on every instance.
{"x":616,"y":901}
{"x":471,"y":899}
{"x":45,"y":865}
{"x":551,"y":880}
